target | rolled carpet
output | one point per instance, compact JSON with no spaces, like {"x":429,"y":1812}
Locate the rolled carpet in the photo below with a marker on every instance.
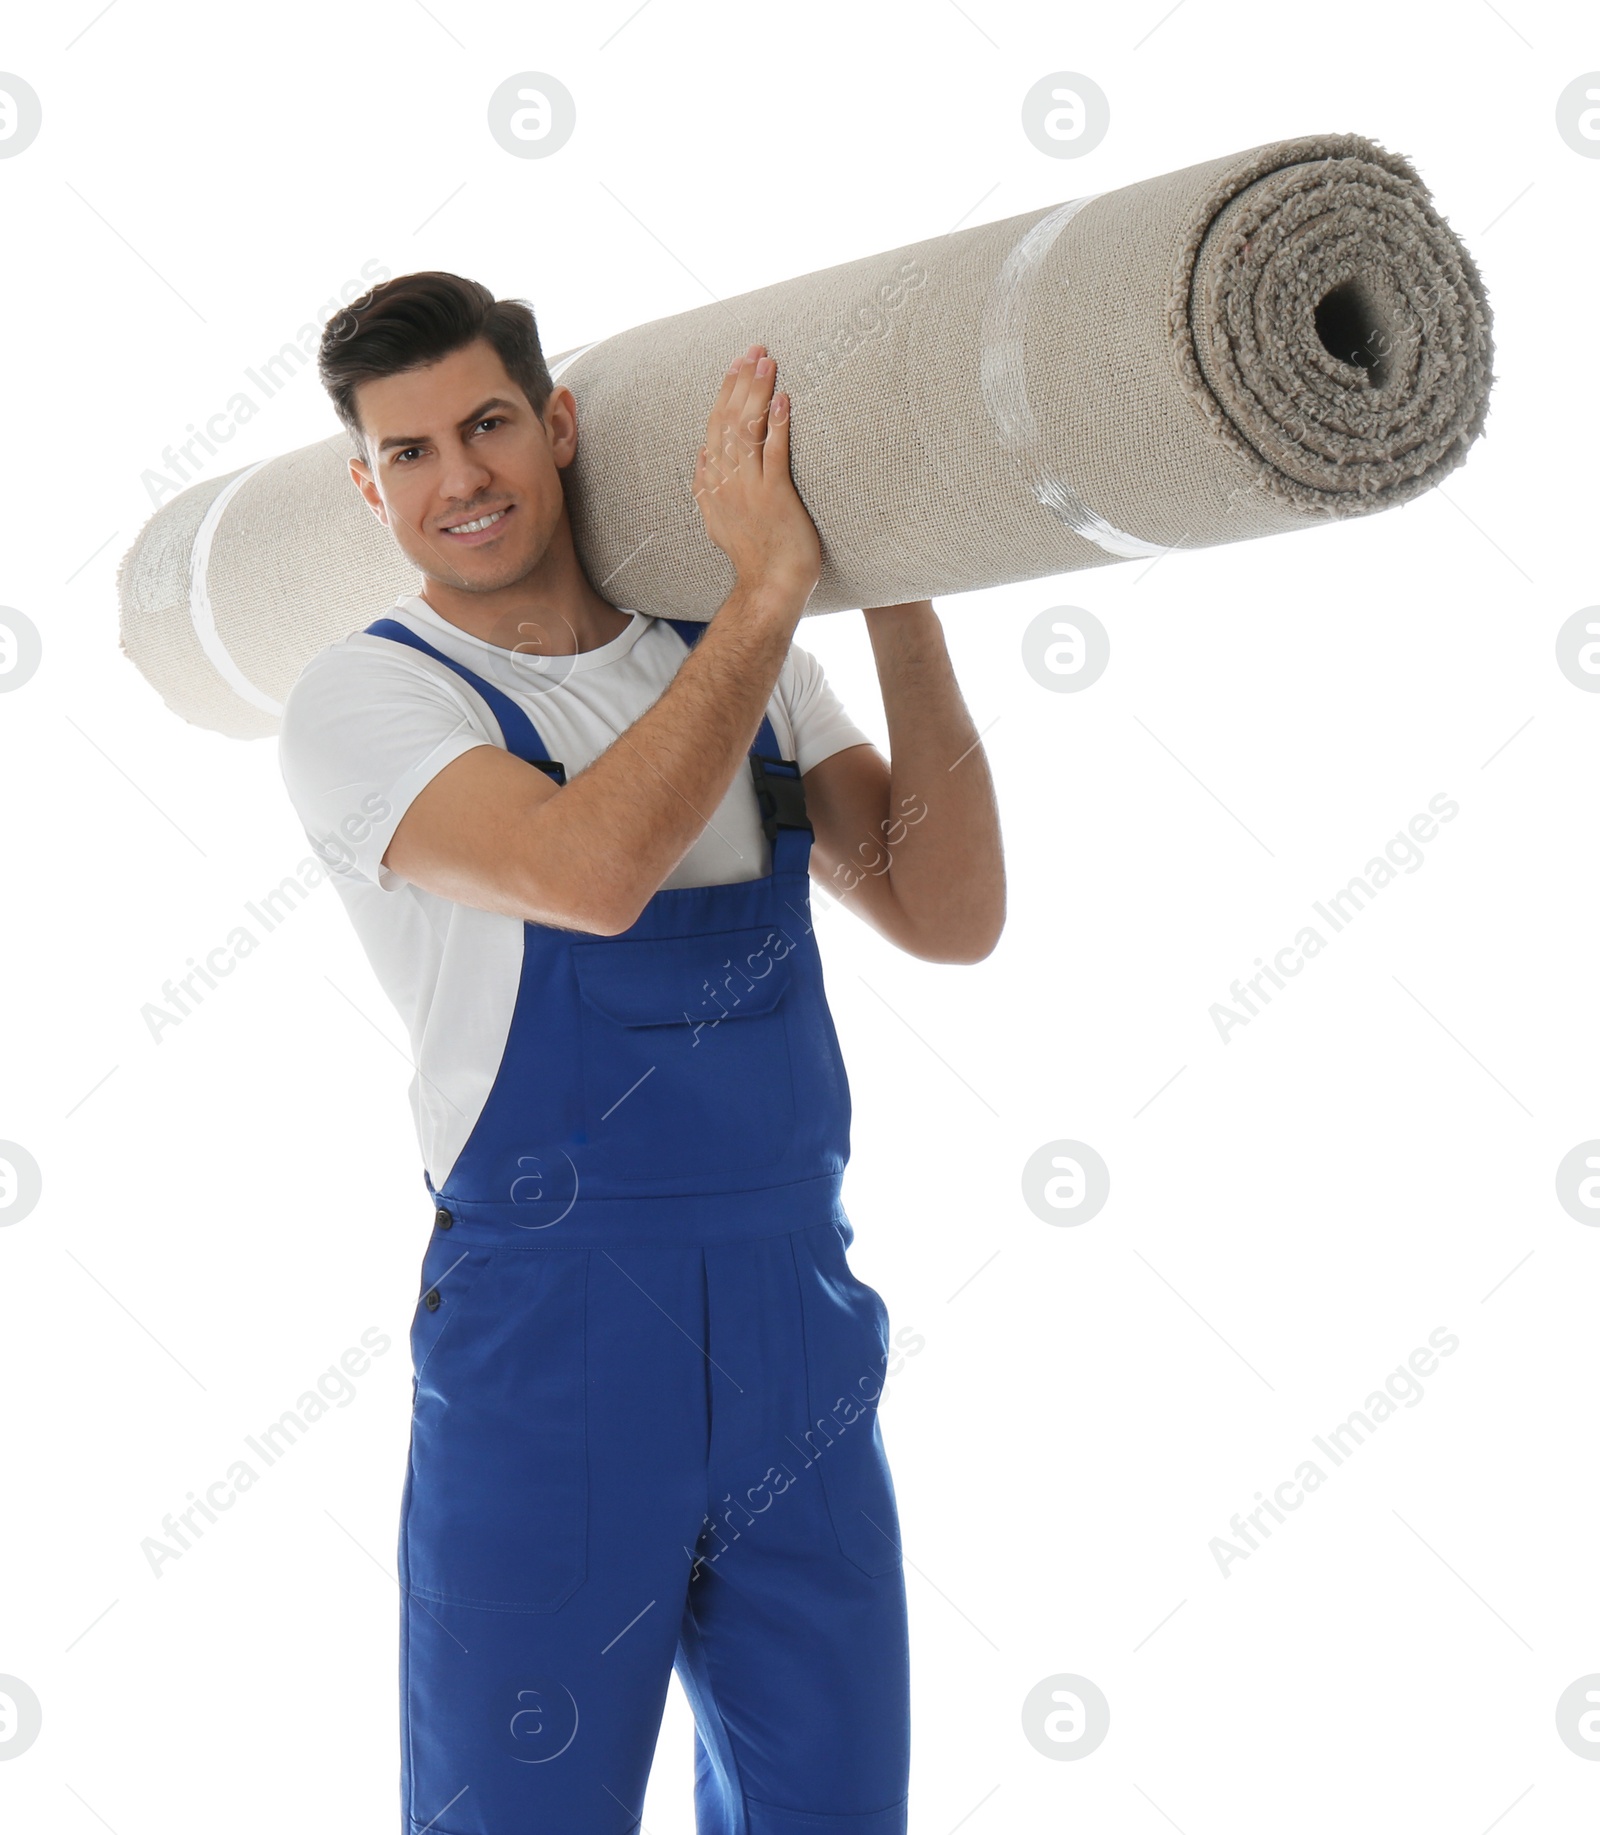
{"x":1247,"y":346}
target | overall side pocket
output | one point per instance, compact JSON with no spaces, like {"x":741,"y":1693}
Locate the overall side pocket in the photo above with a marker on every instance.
{"x":498,"y":1515}
{"x":847,"y":1353}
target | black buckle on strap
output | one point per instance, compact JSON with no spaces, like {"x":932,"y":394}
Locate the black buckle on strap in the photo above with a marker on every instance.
{"x":551,"y":767}
{"x":781,"y":792}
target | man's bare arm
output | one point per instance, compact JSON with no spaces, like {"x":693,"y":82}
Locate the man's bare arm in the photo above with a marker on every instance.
{"x":493,"y":832}
{"x":912,"y":843}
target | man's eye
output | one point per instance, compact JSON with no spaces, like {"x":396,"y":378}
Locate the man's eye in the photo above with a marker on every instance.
{"x":491,"y":420}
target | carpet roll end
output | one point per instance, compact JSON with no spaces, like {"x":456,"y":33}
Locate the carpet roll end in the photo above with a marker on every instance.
{"x":1332,"y":325}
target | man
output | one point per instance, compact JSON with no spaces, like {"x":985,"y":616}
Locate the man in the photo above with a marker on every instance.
{"x":575,"y":842}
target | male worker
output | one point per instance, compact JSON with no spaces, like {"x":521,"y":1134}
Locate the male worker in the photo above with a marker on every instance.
{"x":575,"y":843}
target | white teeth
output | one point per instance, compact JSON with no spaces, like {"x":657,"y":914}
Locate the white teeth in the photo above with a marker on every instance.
{"x":470,"y":528}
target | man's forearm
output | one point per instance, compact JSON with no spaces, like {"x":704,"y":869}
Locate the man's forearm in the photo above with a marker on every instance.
{"x":946,"y":867}
{"x":642,"y":803}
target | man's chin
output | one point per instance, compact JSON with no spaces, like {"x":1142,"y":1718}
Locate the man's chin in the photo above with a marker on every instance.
{"x":492,"y":575}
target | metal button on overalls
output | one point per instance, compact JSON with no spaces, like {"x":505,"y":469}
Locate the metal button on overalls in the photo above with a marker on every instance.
{"x":644,"y":1431}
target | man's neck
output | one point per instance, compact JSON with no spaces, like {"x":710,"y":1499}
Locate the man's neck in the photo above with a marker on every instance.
{"x":534,"y":625}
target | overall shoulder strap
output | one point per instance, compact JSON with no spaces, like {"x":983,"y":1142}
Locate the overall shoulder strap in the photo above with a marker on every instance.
{"x":521,"y":736}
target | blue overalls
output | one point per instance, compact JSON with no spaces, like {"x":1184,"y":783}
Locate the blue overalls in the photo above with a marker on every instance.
{"x":644,"y":1428}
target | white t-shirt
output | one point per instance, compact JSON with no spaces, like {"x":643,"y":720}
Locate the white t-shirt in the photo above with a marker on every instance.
{"x":370,"y":721}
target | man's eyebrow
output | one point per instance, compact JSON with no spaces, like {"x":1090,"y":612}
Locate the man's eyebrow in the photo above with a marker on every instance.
{"x":420,"y":439}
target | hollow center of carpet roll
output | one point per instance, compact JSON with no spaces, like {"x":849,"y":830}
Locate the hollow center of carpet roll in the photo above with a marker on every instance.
{"x":1352,"y":328}
{"x":1342,"y":332}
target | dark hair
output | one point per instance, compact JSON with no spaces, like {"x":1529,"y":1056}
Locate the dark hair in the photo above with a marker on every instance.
{"x":415,"y":319}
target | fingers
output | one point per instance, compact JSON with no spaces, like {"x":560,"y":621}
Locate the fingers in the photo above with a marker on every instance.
{"x":734,"y":381}
{"x":720,"y":452}
{"x":758,"y":397}
{"x":749,"y":421}
{"x":775,"y":453}
{"x":737,"y":427}
{"x":731,"y":378}
{"x":747,"y":408}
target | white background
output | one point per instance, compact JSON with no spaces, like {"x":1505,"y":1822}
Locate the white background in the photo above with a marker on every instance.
{"x":1290,"y":1213}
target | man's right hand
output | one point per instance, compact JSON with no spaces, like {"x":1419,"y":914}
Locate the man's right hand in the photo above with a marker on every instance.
{"x":744,"y":487}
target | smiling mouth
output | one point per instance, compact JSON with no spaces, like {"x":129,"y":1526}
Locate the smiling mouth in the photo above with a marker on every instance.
{"x":479,"y":523}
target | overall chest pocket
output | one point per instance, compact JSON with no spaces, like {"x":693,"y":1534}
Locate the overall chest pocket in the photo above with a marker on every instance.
{"x":686,"y":1065}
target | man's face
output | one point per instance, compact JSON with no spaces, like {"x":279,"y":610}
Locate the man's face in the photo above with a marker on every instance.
{"x":455,"y":442}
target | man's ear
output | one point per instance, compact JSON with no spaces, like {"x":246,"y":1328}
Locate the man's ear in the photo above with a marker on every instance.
{"x":560,"y":421}
{"x":363,"y":481}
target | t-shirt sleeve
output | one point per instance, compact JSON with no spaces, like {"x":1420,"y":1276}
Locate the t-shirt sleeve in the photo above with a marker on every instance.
{"x":820,"y":724}
{"x":364,"y":728}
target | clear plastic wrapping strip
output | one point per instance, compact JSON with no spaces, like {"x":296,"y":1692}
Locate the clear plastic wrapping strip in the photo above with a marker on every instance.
{"x":1003,"y":372}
